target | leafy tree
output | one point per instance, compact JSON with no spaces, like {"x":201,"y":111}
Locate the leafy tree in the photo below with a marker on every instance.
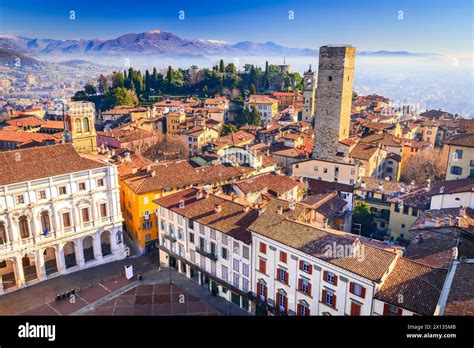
{"x":79,"y":95}
{"x":169,"y":77}
{"x":103,"y":85}
{"x":147,"y":83}
{"x":89,"y":89}
{"x":427,"y":164}
{"x":231,"y":69}
{"x":155,"y":83}
{"x":254,"y":117}
{"x":118,"y":96}
{"x":138,"y":82}
{"x":253,"y":90}
{"x":167,"y":148}
{"x":118,"y":80}
{"x":221,"y":66}
{"x":228,"y":128}
{"x":361,"y":215}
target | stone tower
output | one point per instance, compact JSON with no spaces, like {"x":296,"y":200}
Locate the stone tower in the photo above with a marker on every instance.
{"x":333,"y":100}
{"x":309,"y":89}
{"x":79,"y":124}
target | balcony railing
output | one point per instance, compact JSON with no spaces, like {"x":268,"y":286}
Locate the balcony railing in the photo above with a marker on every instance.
{"x":170,"y":237}
{"x":204,"y":253}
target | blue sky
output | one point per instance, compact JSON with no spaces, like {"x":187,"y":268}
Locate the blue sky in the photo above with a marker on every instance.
{"x":440,"y":26}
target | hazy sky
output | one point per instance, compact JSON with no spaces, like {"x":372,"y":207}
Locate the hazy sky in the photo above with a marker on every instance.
{"x":439,"y":26}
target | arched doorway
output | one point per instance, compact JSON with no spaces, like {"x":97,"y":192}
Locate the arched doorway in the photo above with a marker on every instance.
{"x":7,"y":271}
{"x":69,"y":254}
{"x":50,"y":263}
{"x":105,"y":243}
{"x":88,"y":248}
{"x":29,"y":267}
{"x":77,"y":126}
{"x":85,"y":125}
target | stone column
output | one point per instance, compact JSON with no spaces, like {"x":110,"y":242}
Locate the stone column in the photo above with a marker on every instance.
{"x":40,"y":266}
{"x":97,"y":247}
{"x":95,"y":215}
{"x":14,"y":234}
{"x":55,"y":221}
{"x":18,"y":270}
{"x":76,"y":221}
{"x":79,"y":253}
{"x":60,"y":261}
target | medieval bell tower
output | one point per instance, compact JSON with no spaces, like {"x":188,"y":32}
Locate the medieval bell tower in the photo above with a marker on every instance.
{"x":79,"y":125}
{"x":309,"y":89}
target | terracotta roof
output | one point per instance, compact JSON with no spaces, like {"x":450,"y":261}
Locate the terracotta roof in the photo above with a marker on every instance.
{"x":125,"y":164}
{"x":441,"y":218}
{"x":236,"y":138}
{"x":436,"y":114}
{"x":53,"y":124}
{"x":279,"y":184}
{"x":466,"y":126}
{"x":452,"y":186}
{"x":27,"y":137}
{"x":261,"y":99}
{"x":461,"y":140}
{"x":419,"y":286}
{"x":320,"y":186}
{"x":461,"y":294}
{"x":363,"y":151}
{"x":329,"y":208}
{"x":281,"y":150}
{"x":31,"y":121}
{"x":383,"y":139}
{"x":232,"y":219}
{"x":180,"y":173}
{"x":377,"y":256}
{"x":378,"y":126}
{"x":387,"y":186}
{"x":42,"y":162}
{"x":431,"y":248}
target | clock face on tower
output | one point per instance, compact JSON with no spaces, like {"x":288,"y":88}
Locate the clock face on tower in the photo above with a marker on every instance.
{"x":309,"y":83}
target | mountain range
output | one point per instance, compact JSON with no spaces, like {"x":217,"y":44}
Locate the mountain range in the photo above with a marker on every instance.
{"x":159,"y":42}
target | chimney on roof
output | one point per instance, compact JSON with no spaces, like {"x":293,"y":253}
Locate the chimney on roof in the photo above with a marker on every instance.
{"x":153,"y":173}
{"x":148,"y":168}
{"x":199,"y":194}
{"x":292,"y":205}
{"x":134,"y":170}
{"x":418,"y":239}
{"x":441,"y":189}
{"x":387,"y":178}
{"x":462,"y":211}
{"x":380,"y":186}
{"x":181,"y":203}
{"x":280,"y":210}
{"x":217,"y":208}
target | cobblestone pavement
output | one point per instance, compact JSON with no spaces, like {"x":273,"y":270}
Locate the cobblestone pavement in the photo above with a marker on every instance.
{"x":85,"y":281}
{"x":115,"y":295}
{"x":157,"y":299}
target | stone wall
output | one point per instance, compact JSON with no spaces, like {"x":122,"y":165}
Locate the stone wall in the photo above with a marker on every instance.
{"x":333,"y":99}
